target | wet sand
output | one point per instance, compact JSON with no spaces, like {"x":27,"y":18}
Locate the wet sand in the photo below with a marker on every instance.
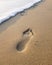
{"x":38,"y":47}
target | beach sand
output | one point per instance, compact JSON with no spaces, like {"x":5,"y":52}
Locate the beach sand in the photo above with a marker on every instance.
{"x":26,"y":39}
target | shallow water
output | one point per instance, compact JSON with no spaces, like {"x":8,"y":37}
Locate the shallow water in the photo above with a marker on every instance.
{"x":9,"y":8}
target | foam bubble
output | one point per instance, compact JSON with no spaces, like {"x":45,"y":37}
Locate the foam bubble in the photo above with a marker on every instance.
{"x":9,"y":8}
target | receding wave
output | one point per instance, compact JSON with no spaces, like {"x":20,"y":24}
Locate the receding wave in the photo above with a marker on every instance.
{"x":9,"y":8}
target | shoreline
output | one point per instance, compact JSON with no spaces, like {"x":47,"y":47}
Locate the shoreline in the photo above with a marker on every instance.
{"x":18,"y":16}
{"x":28,"y":6}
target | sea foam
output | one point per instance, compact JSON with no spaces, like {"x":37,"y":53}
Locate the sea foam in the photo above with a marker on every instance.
{"x":9,"y":8}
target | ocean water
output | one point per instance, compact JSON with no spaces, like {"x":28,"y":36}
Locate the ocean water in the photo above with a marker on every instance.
{"x":9,"y":8}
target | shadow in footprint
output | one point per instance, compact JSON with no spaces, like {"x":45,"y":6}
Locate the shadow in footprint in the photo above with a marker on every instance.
{"x":27,"y":34}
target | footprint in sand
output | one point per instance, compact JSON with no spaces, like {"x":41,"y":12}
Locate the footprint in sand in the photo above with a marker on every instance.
{"x":26,"y":38}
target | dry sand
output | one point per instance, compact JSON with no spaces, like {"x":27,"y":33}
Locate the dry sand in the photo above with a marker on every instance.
{"x":38,"y":49}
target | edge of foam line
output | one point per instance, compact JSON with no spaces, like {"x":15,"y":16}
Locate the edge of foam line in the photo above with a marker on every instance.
{"x":17,"y":10}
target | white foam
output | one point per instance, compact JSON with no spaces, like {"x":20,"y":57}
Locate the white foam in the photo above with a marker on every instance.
{"x":9,"y":8}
